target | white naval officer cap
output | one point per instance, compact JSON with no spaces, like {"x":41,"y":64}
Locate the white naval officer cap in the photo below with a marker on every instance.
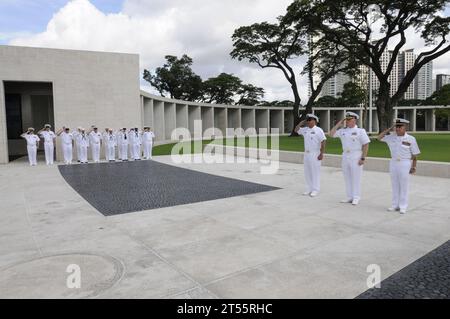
{"x":47,"y":125}
{"x":401,"y":122}
{"x":312,"y":116}
{"x":351,"y":114}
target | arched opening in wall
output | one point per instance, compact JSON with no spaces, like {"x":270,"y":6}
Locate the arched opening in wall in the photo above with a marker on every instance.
{"x":27,"y":104}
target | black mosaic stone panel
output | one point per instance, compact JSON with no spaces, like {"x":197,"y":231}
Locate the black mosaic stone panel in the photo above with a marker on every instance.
{"x":125,"y":187}
{"x":426,"y":278}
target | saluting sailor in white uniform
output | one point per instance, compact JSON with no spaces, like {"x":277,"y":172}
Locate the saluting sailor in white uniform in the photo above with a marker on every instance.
{"x":67,"y":144}
{"x":355,"y":145}
{"x":123,"y":139}
{"x":136,"y":142}
{"x":83,"y":145}
{"x":111,"y":143}
{"x":32,"y":145}
{"x":95,"y":138}
{"x":404,"y":151}
{"x":148,"y":136}
{"x":315,"y":140}
{"x":49,"y":143}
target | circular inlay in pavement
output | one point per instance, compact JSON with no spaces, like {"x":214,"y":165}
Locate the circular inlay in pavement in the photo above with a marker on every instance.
{"x":59,"y":277}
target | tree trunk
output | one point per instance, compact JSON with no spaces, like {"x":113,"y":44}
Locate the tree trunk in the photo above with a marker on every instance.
{"x":296,"y":118}
{"x":384,"y":108}
{"x":297,"y":100}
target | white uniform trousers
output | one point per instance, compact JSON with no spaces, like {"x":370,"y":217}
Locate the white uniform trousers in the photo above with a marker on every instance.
{"x":352,"y":174}
{"x":49,"y":153}
{"x":148,"y":146}
{"x":119,"y":151}
{"x":400,"y":183}
{"x":136,"y":151}
{"x":106,"y":152}
{"x":312,"y":171}
{"x":78,"y":147}
{"x":67,"y":152}
{"x":123,"y":150}
{"x":83,"y":153}
{"x":111,"y":153}
{"x":32,"y":153}
{"x":95,"y":148}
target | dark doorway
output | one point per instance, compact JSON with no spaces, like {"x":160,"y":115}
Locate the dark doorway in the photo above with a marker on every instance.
{"x":27,"y":104}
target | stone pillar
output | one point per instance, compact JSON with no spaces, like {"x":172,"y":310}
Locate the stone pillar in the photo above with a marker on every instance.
{"x":221,"y":119}
{"x":148,"y":112}
{"x":194,"y":114}
{"x":262,"y":119}
{"x":182,"y":116}
{"x":207,"y":117}
{"x":159,"y":120}
{"x":413,"y":121}
{"x":234,"y":120}
{"x":276,"y":120}
{"x":170,"y":119}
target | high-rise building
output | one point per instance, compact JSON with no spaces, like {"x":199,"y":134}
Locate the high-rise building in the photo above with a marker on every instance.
{"x":406,"y":61}
{"x":421,"y":88}
{"x":334,"y":86}
{"x":441,"y":80}
{"x":424,"y":82}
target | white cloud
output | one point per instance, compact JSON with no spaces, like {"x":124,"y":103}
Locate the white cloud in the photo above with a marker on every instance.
{"x":155,"y":28}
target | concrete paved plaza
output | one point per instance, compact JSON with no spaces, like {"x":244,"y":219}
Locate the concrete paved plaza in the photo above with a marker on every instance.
{"x":276,"y":244}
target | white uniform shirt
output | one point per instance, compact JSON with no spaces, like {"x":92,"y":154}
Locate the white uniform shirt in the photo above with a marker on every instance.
{"x":83,"y":139}
{"x":401,"y":147}
{"x":66,"y":138}
{"x":313,"y":138}
{"x":123,"y":138}
{"x":31,"y":139}
{"x":148,"y":137}
{"x":48,"y":136}
{"x":95,"y":138}
{"x":352,"y":139}
{"x":75,"y":135}
{"x":111,"y":139}
{"x":135,"y":138}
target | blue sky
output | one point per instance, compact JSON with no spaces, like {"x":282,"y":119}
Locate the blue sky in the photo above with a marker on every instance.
{"x":31,"y":16}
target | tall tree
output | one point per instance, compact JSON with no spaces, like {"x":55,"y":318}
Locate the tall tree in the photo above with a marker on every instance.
{"x":221,"y":89}
{"x":271,"y":45}
{"x":440,"y":97}
{"x":275,"y":45}
{"x":326,"y":101}
{"x":353,"y":95}
{"x":349,"y":24}
{"x":176,"y":78}
{"x":249,"y":94}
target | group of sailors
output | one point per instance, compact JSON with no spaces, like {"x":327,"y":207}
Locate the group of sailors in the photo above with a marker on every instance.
{"x":130,"y":144}
{"x":355,"y":144}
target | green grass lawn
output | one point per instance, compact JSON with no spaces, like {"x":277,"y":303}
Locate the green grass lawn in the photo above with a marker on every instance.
{"x":166,"y":149}
{"x":434,"y":147}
